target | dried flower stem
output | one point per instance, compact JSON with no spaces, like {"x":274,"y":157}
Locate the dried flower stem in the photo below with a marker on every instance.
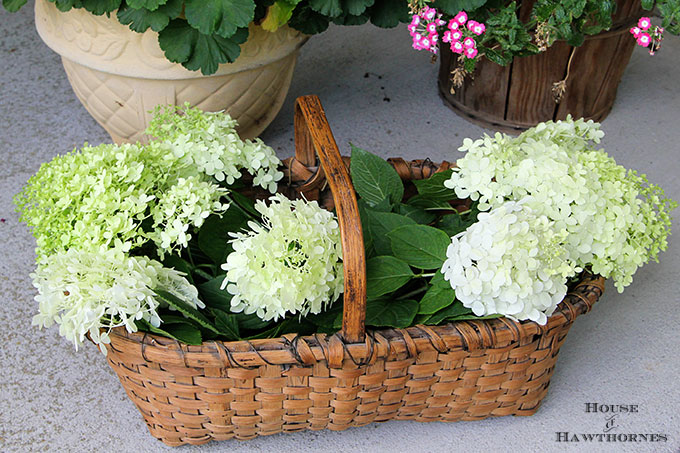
{"x":559,"y":88}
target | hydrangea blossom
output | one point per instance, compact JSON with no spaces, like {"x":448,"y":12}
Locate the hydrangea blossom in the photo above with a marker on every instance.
{"x":98,"y":195}
{"x":290,"y":264}
{"x":209,"y":142}
{"x":614,"y":219}
{"x":510,"y":262}
{"x":85,"y":291}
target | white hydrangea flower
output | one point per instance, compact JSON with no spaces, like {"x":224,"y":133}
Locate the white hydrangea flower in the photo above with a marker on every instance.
{"x":582,"y":190}
{"x":510,"y":262}
{"x":208,"y":141}
{"x":85,"y":291}
{"x":291,"y":264}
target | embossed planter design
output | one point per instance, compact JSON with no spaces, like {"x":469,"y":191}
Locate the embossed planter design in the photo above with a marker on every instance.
{"x":120,"y":75}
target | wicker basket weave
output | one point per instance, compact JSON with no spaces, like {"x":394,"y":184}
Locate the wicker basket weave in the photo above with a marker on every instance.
{"x":460,"y":371}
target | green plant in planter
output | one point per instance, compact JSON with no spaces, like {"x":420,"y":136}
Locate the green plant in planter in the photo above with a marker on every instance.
{"x":159,"y":237}
{"x":201,"y":34}
{"x":493,"y":29}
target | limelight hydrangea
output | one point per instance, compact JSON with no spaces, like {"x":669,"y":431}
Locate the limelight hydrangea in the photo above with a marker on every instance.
{"x":510,"y":262}
{"x":614,"y":219}
{"x":290,"y":264}
{"x":209,"y":142}
{"x":85,"y":291}
{"x":98,"y":195}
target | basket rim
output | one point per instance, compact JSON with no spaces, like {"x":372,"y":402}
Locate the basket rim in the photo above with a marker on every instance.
{"x":385,"y":343}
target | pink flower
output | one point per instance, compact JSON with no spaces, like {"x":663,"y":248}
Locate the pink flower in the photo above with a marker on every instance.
{"x":434,"y":37}
{"x":644,"y":39}
{"x":429,"y":13}
{"x":479,"y":29}
{"x":471,"y":52}
{"x":456,"y":35}
{"x":461,"y":17}
{"x":432,"y":27}
{"x":411,"y":28}
{"x":453,"y":25}
{"x":468,"y":43}
{"x":644,"y":23}
{"x":447,"y":36}
{"x":635,"y":31}
{"x":425,"y":42}
{"x":457,"y":47}
{"x":471,"y":24}
{"x":440,"y":22}
{"x":415,"y":20}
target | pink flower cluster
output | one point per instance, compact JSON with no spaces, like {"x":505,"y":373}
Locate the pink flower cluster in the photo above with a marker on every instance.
{"x":460,"y":33}
{"x":647,"y":37}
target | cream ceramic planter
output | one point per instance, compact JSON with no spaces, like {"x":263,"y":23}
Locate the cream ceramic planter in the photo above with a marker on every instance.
{"x":120,"y":75}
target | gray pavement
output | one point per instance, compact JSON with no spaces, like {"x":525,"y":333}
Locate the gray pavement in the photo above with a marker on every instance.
{"x":625,"y":351}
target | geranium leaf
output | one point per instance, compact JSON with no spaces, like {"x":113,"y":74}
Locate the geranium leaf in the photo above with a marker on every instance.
{"x":385,"y":274}
{"x":388,"y":13}
{"x":391,"y":313}
{"x":99,"y":7}
{"x":330,"y":8}
{"x":151,"y":5}
{"x":308,"y":21}
{"x":277,"y":14}
{"x":374,"y":179}
{"x":142,"y":19}
{"x":348,"y":19}
{"x":222,"y":17}
{"x":13,"y":5}
{"x":194,"y":50}
{"x":186,"y":309}
{"x":420,"y":246}
{"x":452,"y":7}
{"x":356,"y":7}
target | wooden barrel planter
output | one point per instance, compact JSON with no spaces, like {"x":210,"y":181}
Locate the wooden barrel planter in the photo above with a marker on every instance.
{"x":518,"y":96}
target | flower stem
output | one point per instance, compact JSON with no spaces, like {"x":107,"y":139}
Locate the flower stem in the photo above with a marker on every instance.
{"x":413,"y":293}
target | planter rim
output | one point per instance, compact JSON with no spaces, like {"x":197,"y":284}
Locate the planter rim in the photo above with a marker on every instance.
{"x":104,"y":44}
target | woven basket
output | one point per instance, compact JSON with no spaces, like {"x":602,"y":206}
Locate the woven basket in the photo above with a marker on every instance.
{"x":460,"y":371}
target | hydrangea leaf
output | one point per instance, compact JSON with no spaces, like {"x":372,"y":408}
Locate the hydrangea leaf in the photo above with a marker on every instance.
{"x":433,"y":187}
{"x":429,"y":204}
{"x":391,"y":313}
{"x":454,"y":310}
{"x":213,"y":296}
{"x":227,"y":324}
{"x":436,"y":298}
{"x":213,"y":236}
{"x":142,"y":19}
{"x":454,"y":223}
{"x":385,"y":274}
{"x":13,"y":5}
{"x":194,"y":50}
{"x":420,"y":246}
{"x":186,"y":309}
{"x":416,"y":214}
{"x":184,"y":332}
{"x":221,"y":17}
{"x":374,"y":179}
{"x":381,"y":223}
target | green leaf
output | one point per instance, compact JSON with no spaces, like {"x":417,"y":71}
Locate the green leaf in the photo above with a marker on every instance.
{"x":420,"y":246}
{"x":251,"y":322}
{"x":348,"y":19}
{"x":213,"y":236}
{"x":227,"y":324}
{"x":13,"y":5}
{"x":435,"y":299}
{"x":245,"y":203}
{"x":142,"y":19}
{"x":184,"y":332}
{"x":365,"y":227}
{"x":99,"y":7}
{"x":222,"y":17}
{"x":381,"y":223}
{"x":184,"y":44}
{"x":65,"y":5}
{"x":308,"y":21}
{"x":186,"y":309}
{"x":388,"y":13}
{"x":374,"y":179}
{"x":472,"y":317}
{"x":429,"y":204}
{"x":452,"y":7}
{"x":433,"y":187}
{"x":329,"y":320}
{"x":391,"y":313}
{"x":385,"y":274}
{"x":356,"y":7}
{"x":647,"y":4}
{"x":416,"y":214}
{"x":454,"y":310}
{"x":277,"y":15}
{"x":454,"y":223}
{"x":177,"y":263}
{"x":214,"y":297}
{"x":329,"y":8}
{"x":151,"y":5}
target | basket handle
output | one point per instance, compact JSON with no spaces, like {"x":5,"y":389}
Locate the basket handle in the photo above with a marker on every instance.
{"x":313,"y":137}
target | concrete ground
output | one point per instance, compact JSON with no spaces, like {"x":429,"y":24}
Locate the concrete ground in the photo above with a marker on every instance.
{"x":625,"y":351}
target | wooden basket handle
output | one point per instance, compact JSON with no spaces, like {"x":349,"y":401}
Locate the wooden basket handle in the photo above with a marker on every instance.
{"x":313,"y":137}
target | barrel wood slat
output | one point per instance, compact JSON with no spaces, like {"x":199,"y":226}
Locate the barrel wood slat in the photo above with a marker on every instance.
{"x":242,"y":389}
